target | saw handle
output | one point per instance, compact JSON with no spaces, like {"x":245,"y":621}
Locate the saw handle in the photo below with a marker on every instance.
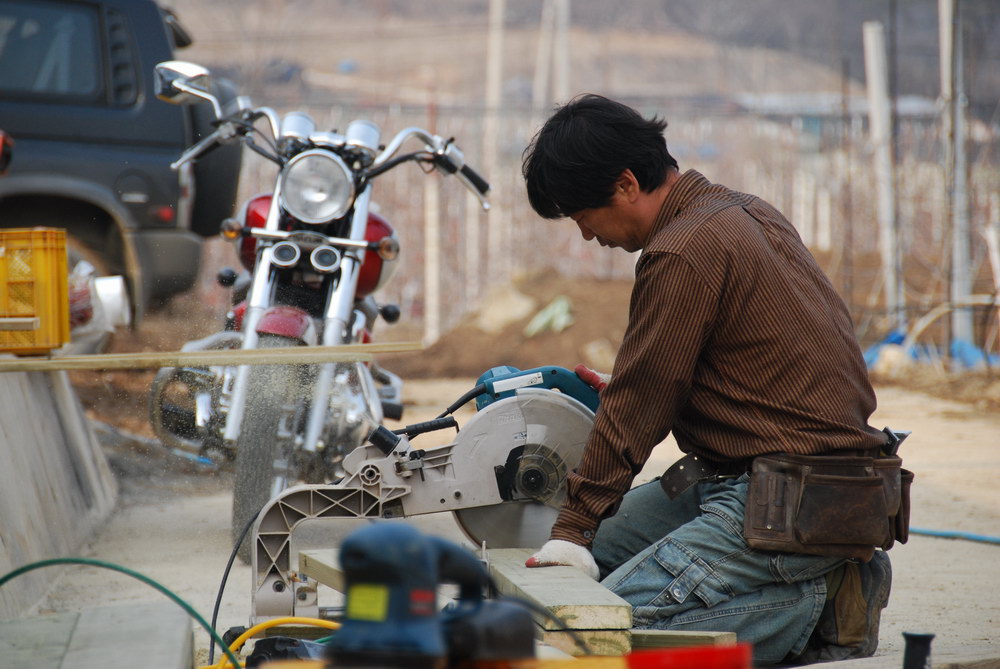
{"x":428,"y":426}
{"x":384,"y":439}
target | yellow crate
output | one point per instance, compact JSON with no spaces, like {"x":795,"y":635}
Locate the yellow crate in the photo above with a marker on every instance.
{"x":34,"y":294}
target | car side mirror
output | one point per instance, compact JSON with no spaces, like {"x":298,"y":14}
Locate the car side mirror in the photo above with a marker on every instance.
{"x":179,"y":82}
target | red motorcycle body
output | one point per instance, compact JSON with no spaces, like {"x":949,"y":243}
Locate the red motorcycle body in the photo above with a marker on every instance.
{"x":375,"y":271}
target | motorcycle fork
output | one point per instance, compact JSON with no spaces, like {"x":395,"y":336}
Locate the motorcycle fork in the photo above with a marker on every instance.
{"x":337,"y":322}
{"x":259,"y":298}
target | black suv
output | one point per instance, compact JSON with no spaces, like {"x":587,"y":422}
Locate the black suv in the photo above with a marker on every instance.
{"x":94,"y":145}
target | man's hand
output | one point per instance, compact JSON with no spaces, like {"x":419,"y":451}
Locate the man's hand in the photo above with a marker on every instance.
{"x":595,"y":380}
{"x":559,"y":552}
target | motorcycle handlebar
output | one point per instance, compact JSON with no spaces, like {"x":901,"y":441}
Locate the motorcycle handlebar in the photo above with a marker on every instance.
{"x":446,"y":155}
{"x":204,"y":145}
{"x":479,"y":183}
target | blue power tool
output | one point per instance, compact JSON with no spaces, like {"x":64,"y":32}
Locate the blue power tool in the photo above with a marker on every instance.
{"x":504,"y":381}
{"x":391,"y":618}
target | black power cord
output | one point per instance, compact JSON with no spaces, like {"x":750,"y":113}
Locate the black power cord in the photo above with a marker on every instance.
{"x":225,"y":577}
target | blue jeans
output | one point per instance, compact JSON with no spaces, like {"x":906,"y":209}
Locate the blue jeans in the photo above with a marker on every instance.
{"x":683,"y":565}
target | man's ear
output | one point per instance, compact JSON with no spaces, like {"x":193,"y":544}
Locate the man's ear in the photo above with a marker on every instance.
{"x":627,"y":185}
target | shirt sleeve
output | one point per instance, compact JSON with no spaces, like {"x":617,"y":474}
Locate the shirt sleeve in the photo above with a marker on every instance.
{"x":670,"y":318}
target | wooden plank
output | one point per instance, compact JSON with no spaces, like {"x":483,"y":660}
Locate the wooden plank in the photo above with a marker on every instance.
{"x":292,"y":355}
{"x":323,"y":565}
{"x":599,"y":642}
{"x":644,"y":638}
{"x":578,"y":600}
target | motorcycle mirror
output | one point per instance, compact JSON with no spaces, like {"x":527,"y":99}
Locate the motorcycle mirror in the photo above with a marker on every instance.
{"x":179,"y":82}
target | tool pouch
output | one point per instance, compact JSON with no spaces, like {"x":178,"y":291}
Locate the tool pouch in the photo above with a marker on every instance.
{"x":843,"y":506}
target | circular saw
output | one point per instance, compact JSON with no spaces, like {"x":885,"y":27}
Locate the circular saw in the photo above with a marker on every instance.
{"x":503,"y":478}
{"x":551,"y":431}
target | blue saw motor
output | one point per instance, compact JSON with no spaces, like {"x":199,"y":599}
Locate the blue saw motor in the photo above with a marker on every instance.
{"x":505,"y":381}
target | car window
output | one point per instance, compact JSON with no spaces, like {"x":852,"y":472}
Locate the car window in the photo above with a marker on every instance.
{"x":50,"y":49}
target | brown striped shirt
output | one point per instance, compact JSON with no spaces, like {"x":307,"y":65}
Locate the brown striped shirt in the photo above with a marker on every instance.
{"x":736,"y":342}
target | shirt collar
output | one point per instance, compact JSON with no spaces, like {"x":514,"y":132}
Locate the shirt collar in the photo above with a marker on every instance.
{"x":683,"y":191}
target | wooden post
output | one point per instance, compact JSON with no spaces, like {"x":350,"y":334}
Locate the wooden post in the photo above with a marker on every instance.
{"x":824,"y":218}
{"x":881,"y":132}
{"x":432,"y":261}
{"x":497,"y":235}
{"x":961,"y":279}
{"x":561,"y":86}
{"x":543,"y":59}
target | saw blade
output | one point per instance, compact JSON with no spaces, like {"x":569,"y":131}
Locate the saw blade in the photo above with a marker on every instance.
{"x":556,"y":428}
{"x":517,"y":524}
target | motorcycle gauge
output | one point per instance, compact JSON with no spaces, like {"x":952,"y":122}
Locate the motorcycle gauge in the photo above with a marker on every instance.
{"x":317,"y":187}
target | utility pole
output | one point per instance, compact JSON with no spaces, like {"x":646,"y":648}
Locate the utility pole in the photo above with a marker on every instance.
{"x":953,"y":130}
{"x":880,"y":123}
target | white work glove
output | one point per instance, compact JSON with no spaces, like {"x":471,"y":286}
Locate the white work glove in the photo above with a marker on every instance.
{"x":594,"y":379}
{"x":559,"y":552}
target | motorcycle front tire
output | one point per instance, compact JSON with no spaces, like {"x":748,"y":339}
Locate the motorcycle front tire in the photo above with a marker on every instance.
{"x":270,"y":389}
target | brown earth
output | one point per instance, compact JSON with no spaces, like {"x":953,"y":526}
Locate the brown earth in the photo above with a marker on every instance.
{"x":599,"y":311}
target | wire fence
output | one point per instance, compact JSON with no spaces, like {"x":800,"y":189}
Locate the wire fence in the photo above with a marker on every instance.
{"x":817,"y":170}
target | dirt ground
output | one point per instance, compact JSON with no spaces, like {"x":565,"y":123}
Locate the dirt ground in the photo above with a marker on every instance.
{"x":173,"y":520}
{"x":173,"y":525}
{"x":598,"y":311}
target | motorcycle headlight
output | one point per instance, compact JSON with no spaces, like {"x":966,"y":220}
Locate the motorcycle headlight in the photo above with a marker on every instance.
{"x":317,"y":187}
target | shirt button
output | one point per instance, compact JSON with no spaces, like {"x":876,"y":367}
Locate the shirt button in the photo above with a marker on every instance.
{"x":677,"y":593}
{"x":587,"y":534}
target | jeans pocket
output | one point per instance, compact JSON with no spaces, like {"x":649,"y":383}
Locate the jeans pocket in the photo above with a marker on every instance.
{"x":692,"y":577}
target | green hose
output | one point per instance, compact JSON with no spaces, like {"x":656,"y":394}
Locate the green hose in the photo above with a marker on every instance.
{"x":134,"y":574}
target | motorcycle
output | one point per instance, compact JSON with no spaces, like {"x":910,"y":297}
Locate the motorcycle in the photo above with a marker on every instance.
{"x":315,"y":254}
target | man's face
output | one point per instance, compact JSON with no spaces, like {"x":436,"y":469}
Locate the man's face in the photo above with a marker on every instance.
{"x":608,"y":225}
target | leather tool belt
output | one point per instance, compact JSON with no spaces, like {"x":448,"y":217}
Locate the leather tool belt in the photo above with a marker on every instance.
{"x":842,"y":505}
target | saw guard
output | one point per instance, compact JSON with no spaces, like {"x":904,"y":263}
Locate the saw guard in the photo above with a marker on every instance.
{"x":553,"y":429}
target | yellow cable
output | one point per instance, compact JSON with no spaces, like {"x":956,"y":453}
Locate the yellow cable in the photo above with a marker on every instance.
{"x":267,"y":624}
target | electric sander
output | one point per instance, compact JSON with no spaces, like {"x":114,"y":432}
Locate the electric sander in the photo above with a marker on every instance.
{"x":391,"y":616}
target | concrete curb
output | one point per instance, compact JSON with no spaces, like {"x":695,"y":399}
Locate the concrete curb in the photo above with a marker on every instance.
{"x":56,"y":488}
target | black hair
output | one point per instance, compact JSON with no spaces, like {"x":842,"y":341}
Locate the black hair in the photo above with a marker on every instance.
{"x":574,"y":160}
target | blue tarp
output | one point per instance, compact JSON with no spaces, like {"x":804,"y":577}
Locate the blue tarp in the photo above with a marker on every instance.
{"x":964,"y":354}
